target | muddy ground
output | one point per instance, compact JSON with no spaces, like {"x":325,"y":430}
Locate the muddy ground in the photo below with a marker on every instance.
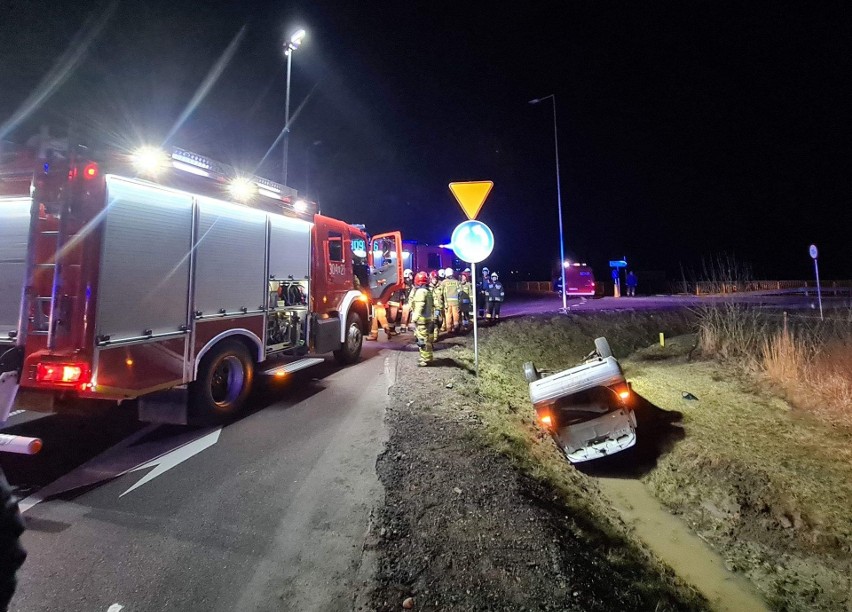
{"x":461,"y":528}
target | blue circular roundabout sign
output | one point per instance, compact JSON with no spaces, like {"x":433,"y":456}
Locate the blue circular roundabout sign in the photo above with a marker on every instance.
{"x":472,"y":241}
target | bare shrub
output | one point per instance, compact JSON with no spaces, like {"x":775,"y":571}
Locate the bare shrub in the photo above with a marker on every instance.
{"x":809,"y":360}
{"x":730,"y":331}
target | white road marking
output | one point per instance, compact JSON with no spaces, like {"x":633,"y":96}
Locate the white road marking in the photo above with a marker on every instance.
{"x":11,"y":414}
{"x":130,"y":454}
{"x":115,"y":608}
{"x":169,"y":460}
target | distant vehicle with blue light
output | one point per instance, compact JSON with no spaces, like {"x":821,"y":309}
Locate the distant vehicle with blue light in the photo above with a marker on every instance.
{"x":419,"y":256}
{"x":579,"y":278}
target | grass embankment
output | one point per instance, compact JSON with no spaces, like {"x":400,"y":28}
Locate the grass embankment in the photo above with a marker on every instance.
{"x":807,"y":359}
{"x":502,"y":400}
{"x":765,"y":468}
{"x":765,"y":482}
{"x":768,"y":487}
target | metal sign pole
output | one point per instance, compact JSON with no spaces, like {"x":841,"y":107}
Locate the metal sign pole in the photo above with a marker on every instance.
{"x":475,"y":316}
{"x":814,"y":253}
{"x":819,"y":291}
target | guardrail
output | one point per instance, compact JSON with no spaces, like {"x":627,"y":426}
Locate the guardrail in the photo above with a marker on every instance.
{"x":838,"y":287}
{"x":530,"y":287}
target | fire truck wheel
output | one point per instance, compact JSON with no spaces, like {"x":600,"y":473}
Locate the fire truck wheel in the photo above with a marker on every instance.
{"x":351,"y":349}
{"x":11,"y":553}
{"x":224,"y":381}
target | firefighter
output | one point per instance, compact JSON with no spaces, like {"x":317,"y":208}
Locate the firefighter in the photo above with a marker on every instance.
{"x":482,"y":288}
{"x":438,"y":302}
{"x":408,"y":279}
{"x":496,"y":294}
{"x":451,"y":301}
{"x":380,"y":317}
{"x":422,"y":312}
{"x":464,"y":299}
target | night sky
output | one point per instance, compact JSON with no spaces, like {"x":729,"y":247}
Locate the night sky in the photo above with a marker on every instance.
{"x":687,"y":130}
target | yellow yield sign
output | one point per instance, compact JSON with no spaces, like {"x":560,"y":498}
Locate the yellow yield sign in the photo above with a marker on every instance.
{"x":471,"y":195}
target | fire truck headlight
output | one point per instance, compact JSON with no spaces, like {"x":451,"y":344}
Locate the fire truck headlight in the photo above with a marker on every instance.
{"x":149,"y":160}
{"x":300,"y":206}
{"x":242,"y":189}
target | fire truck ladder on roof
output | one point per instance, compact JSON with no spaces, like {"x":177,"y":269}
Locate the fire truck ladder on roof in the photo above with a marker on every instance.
{"x":48,"y":311}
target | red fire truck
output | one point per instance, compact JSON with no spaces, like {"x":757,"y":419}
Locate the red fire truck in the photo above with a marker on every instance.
{"x":171,"y":278}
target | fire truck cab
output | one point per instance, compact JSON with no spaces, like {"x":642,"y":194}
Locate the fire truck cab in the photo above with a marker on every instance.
{"x":175,"y":281}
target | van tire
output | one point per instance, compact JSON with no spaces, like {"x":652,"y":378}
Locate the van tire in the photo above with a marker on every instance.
{"x":224,"y":381}
{"x":530,"y":373}
{"x":602,"y":347}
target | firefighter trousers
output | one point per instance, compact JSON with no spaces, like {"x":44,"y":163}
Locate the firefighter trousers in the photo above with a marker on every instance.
{"x":493,"y":310}
{"x":453,"y":318}
{"x":380,"y":317}
{"x":406,"y":316}
{"x":423,"y":333}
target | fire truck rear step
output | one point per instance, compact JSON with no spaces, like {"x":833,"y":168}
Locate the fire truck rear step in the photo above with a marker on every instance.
{"x":293,"y":366}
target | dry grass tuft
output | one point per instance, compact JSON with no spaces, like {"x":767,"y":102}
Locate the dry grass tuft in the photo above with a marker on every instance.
{"x":810,"y":361}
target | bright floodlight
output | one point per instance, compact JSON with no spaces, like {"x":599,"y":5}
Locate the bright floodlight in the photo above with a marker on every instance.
{"x":300,"y":206}
{"x":566,"y":263}
{"x":149,"y":160}
{"x":294,"y":42}
{"x":241,"y":189}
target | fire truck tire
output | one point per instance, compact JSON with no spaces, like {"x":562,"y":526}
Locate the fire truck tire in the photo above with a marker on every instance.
{"x":224,"y":381}
{"x":11,"y":553}
{"x":350,"y":352}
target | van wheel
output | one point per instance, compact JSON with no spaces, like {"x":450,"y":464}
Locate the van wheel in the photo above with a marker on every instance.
{"x":224,"y":380}
{"x":352,"y":343}
{"x":530,"y":373}
{"x":602,"y":347}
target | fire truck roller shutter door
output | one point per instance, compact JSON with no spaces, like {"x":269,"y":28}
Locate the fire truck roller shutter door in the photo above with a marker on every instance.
{"x":229,"y":259}
{"x":14,"y":233}
{"x":144,"y":267}
{"x":289,"y":248}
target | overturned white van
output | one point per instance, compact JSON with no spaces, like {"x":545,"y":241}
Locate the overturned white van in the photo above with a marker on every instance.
{"x":585,"y":408}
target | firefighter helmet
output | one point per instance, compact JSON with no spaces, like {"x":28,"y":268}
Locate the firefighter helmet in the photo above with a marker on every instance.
{"x":485,"y":271}
{"x":440,"y":273}
{"x":448,"y":273}
{"x":421,"y":279}
{"x":408,"y":273}
{"x":494,"y":276}
{"x":463,"y":277}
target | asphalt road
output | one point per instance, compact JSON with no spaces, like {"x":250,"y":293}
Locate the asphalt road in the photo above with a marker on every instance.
{"x":268,"y":513}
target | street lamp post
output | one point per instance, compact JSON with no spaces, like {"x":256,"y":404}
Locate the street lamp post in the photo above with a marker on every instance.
{"x":558,"y":200}
{"x":291,"y":45}
{"x":315,"y":144}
